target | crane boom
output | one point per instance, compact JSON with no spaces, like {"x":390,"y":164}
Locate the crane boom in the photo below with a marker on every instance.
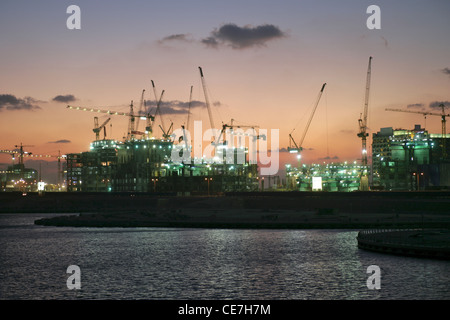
{"x":443,"y":115}
{"x":189,"y":110}
{"x":101,"y":111}
{"x":312,"y":115}
{"x":425,"y":113}
{"x":206,"y":99}
{"x":298,"y":147}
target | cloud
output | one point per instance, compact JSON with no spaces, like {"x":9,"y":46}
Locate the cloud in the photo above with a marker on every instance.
{"x":415,"y":105}
{"x":329,"y":158}
{"x":180,"y":107}
{"x":437,"y":104}
{"x":446,"y":71}
{"x":243,"y":37}
{"x":66,"y":98}
{"x":210,"y":42}
{"x":11,"y":102}
{"x":60,"y":141}
{"x":184,"y":37}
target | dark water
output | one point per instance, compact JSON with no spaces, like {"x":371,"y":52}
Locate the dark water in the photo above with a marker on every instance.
{"x":151,"y":263}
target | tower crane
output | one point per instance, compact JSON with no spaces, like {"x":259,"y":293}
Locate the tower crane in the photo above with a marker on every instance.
{"x":130,"y":114}
{"x":297,"y":148}
{"x":232,"y":126}
{"x":363,"y":120}
{"x":59,"y":157}
{"x":166,"y":134}
{"x":443,"y":115}
{"x":22,"y":153}
{"x":364,"y":184}
{"x":98,"y":128}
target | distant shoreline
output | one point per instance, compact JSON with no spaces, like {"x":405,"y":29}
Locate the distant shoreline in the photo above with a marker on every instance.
{"x":246,"y":221}
{"x":279,"y":210}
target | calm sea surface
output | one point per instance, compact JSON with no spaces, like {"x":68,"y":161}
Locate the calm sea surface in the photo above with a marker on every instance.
{"x":152,"y":263}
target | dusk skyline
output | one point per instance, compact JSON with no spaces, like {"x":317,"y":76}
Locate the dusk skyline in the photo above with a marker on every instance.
{"x":264,"y":64}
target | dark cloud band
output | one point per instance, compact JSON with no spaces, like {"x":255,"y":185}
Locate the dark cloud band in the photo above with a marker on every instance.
{"x":64,"y":98}
{"x":243,"y":37}
{"x":11,"y":102}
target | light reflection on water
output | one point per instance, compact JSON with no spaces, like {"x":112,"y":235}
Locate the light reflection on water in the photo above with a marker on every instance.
{"x":151,"y":263}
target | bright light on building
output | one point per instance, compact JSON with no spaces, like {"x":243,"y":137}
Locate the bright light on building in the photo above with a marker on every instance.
{"x":317,"y":183}
{"x":41,"y":186}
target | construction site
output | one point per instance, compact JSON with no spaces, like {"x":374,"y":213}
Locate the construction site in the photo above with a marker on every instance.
{"x":400,"y":159}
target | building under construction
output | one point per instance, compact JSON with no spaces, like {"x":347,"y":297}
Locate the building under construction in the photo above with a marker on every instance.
{"x":410,"y":159}
{"x":19,"y":178}
{"x":145,"y":165}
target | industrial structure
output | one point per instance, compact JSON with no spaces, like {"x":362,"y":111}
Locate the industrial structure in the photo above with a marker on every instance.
{"x":19,"y":178}
{"x":410,"y":159}
{"x":331,"y":177}
{"x":144,"y":163}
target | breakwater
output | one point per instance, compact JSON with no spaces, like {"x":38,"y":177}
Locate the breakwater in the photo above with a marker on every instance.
{"x":426,"y":243}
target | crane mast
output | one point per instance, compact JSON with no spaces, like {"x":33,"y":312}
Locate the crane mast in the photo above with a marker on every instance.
{"x":131,"y":123}
{"x":98,"y":128}
{"x":364,"y":183}
{"x":363,"y":122}
{"x":158,"y":110}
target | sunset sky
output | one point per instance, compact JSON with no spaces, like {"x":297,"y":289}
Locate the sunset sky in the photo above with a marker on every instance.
{"x":264,"y":63}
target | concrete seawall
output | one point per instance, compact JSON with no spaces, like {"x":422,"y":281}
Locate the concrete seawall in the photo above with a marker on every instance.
{"x":424,"y":243}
